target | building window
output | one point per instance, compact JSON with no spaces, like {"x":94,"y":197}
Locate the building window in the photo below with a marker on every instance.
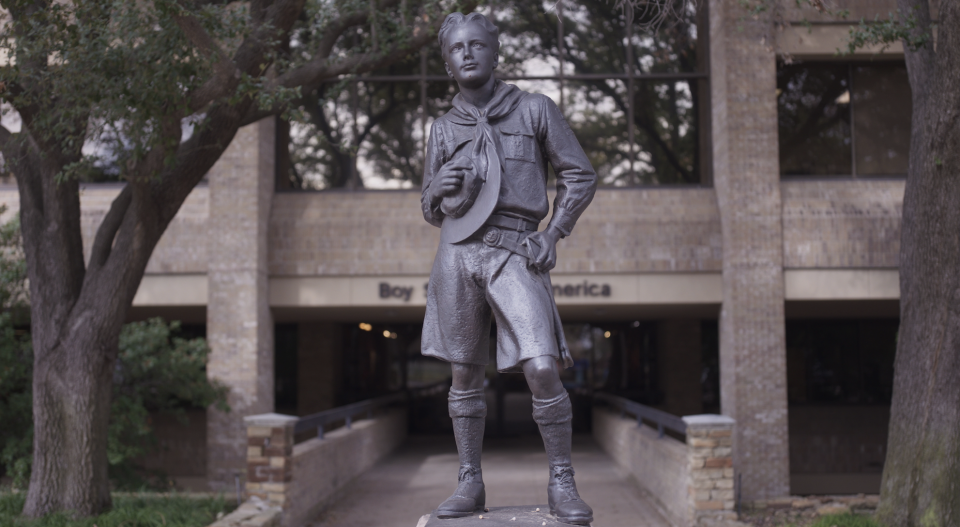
{"x":843,"y":119}
{"x":636,"y":99}
{"x":840,"y":362}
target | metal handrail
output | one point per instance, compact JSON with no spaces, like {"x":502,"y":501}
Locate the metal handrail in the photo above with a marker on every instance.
{"x":662,"y":419}
{"x":320,"y":420}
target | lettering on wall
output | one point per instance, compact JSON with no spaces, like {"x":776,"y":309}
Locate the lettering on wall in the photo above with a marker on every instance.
{"x":584,"y":289}
{"x":387,"y":291}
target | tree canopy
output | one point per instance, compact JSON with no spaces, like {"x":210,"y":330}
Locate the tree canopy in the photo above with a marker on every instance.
{"x":150,"y":93}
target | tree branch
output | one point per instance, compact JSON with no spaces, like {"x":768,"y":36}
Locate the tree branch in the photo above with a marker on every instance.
{"x":224,"y":69}
{"x":6,"y":138}
{"x":103,"y":242}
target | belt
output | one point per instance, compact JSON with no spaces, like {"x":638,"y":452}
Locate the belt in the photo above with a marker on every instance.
{"x":514,"y":224}
{"x":509,"y":240}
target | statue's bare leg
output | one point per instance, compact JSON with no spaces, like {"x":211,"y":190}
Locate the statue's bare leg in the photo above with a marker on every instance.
{"x":553,"y":413}
{"x":468,"y":409}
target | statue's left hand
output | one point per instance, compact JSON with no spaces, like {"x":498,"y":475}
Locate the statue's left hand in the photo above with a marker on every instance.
{"x":546,"y":258}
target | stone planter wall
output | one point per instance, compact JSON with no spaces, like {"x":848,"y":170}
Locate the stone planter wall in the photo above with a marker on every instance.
{"x":303,"y":479}
{"x":692,"y":482}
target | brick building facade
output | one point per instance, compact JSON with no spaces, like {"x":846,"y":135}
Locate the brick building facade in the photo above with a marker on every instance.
{"x":749,"y":251}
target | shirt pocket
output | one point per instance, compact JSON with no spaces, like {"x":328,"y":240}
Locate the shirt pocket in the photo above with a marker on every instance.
{"x":518,"y":144}
{"x":455,"y":147}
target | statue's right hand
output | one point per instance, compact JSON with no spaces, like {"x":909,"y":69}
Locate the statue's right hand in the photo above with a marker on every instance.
{"x":450,"y":177}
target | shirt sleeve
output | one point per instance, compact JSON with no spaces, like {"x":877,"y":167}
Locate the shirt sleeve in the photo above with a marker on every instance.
{"x":576,"y":178}
{"x":432,"y":164}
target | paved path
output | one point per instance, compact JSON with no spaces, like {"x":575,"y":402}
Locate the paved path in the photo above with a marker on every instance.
{"x":422,"y":473}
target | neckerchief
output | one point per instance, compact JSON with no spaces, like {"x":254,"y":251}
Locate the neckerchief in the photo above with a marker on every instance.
{"x":506,"y":97}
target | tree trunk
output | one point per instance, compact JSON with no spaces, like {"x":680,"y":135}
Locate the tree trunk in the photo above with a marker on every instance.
{"x":71,"y":409}
{"x":77,"y":311}
{"x":921,"y":477}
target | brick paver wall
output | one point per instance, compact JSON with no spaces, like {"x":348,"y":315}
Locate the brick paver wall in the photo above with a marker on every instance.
{"x":623,"y":230}
{"x":837,"y":224}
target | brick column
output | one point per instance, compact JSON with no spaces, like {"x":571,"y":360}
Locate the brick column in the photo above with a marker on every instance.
{"x":710,"y":457}
{"x":269,"y":453}
{"x":239,"y":323}
{"x":753,"y":388}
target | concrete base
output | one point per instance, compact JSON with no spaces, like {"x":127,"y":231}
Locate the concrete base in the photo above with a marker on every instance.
{"x":523,"y":516}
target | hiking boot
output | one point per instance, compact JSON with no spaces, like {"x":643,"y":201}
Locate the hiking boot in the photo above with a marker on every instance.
{"x":469,"y":497}
{"x":564,"y":500}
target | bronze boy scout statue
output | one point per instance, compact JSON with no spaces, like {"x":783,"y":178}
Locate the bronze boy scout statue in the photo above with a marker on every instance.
{"x":485,"y":185}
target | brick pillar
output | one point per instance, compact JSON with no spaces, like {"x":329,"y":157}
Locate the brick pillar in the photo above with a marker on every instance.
{"x":753,"y":387}
{"x":709,"y":441}
{"x":269,"y":453}
{"x":681,"y":366}
{"x":239,"y":323}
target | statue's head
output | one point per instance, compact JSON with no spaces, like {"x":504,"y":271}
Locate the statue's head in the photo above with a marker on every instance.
{"x":469,"y":45}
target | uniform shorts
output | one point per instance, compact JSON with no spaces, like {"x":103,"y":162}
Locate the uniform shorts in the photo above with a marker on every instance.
{"x":472,"y":281}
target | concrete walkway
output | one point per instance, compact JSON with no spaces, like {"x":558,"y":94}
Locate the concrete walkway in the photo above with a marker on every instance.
{"x":423,"y":472}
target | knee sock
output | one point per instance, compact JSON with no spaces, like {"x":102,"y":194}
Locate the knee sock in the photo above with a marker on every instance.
{"x":468,"y":409}
{"x":554,"y":417}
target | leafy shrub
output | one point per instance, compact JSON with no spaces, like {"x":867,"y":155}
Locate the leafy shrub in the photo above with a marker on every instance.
{"x":845,"y":520}
{"x":156,"y":371}
{"x":127,"y":511}
{"x":16,"y":434}
{"x":16,"y":356}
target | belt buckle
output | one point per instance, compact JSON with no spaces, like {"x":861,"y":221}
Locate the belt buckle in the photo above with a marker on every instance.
{"x":492,"y":237}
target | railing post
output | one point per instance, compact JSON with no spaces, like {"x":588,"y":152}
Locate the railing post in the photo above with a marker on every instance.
{"x":269,"y":453}
{"x":710,"y":462}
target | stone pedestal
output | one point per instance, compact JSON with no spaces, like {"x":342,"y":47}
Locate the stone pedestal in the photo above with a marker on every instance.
{"x":523,"y":516}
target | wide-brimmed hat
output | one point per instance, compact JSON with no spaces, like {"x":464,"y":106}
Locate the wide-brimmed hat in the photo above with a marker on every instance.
{"x":456,"y":205}
{"x":468,"y":209}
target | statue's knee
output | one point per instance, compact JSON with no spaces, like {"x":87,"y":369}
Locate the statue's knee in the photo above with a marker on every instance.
{"x":541,"y":369}
{"x":467,"y":376}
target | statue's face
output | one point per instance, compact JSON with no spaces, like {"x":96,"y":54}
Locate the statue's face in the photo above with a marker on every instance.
{"x":470,"y":56}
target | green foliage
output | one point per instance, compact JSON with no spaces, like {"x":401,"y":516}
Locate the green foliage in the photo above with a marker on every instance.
{"x":879,"y":31}
{"x":16,"y":434}
{"x":16,"y":357}
{"x":115,"y":74}
{"x":13,"y":267}
{"x":157,"y":371}
{"x":889,"y":31}
{"x":845,"y":520}
{"x":128,"y":511}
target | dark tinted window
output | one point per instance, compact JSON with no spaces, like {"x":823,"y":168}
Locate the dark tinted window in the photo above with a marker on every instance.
{"x":635,"y":99}
{"x":840,"y":361}
{"x":842,"y":119}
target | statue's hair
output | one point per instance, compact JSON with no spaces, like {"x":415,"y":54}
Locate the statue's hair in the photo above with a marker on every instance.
{"x":458,"y":19}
